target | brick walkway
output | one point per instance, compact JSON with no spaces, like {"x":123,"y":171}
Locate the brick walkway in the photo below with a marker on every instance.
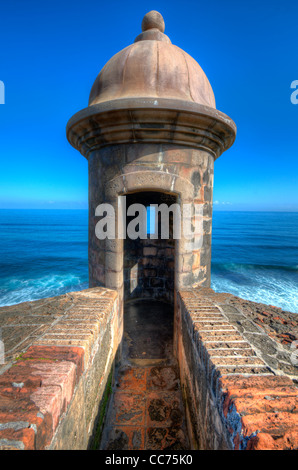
{"x":146,"y":409}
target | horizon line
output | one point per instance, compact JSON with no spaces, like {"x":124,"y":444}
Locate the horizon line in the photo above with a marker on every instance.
{"x":86,"y":209}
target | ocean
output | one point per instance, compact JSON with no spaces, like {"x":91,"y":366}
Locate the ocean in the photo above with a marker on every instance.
{"x":44,"y":253}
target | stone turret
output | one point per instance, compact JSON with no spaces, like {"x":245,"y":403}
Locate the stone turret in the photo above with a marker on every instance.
{"x":151,"y":132}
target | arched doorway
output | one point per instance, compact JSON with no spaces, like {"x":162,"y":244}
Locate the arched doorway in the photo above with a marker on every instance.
{"x":149,"y":278}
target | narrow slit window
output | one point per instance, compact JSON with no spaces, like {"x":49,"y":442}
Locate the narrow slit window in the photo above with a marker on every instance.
{"x":150,"y":220}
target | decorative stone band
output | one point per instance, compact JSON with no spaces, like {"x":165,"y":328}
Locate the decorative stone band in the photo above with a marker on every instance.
{"x":50,"y":396}
{"x":245,"y":404}
{"x":151,"y":121}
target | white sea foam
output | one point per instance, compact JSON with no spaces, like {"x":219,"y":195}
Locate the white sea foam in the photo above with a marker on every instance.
{"x":260,"y":287}
{"x":16,"y":290}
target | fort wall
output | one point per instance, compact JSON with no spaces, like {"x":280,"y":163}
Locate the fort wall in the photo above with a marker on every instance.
{"x":237,"y":373}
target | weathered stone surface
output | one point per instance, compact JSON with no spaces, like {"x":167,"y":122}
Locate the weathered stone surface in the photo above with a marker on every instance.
{"x":236,"y":393}
{"x":282,"y":326}
{"x":146,"y":410}
{"x":26,"y":323}
{"x":72,"y":431}
{"x":49,"y":394}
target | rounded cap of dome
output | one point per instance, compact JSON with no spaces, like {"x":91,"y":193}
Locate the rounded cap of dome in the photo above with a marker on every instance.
{"x":152,"y":67}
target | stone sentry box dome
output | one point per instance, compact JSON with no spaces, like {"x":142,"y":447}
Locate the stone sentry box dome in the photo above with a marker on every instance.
{"x":151,"y":128}
{"x":152,"y":67}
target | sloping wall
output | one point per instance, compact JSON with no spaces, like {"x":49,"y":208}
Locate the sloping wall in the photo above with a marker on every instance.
{"x":53,"y":395}
{"x":236,"y":392}
{"x":237,"y":371}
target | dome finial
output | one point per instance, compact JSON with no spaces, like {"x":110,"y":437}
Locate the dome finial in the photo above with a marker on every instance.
{"x":153,"y":20}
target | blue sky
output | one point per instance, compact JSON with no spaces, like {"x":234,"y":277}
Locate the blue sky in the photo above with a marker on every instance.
{"x":51,"y":53}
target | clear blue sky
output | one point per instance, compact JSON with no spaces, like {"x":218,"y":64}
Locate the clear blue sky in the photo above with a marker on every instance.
{"x":52,"y":51}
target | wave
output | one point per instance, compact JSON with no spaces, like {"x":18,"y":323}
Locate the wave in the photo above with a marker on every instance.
{"x":252,"y":267}
{"x":15,"y":290}
{"x":268,"y":284}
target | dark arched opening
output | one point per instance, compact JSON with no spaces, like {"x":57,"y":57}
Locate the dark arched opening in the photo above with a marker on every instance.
{"x":149,"y":277}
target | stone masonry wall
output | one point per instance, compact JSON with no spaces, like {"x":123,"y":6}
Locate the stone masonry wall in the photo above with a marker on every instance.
{"x":53,"y":383}
{"x":238,"y":376}
{"x":238,"y":383}
{"x":149,"y":264}
{"x":182,"y":172}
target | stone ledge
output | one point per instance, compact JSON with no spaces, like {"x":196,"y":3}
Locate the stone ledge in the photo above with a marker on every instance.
{"x":26,"y":323}
{"x":150,"y":120}
{"x":38,"y":387}
{"x":266,"y":408}
{"x":252,"y":406}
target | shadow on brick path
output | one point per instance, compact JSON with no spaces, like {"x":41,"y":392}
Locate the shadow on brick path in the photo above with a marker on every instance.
{"x":146,"y":409}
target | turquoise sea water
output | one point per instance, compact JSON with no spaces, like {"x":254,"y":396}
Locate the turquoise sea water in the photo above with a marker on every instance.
{"x":45,"y":253}
{"x":255,"y":256}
